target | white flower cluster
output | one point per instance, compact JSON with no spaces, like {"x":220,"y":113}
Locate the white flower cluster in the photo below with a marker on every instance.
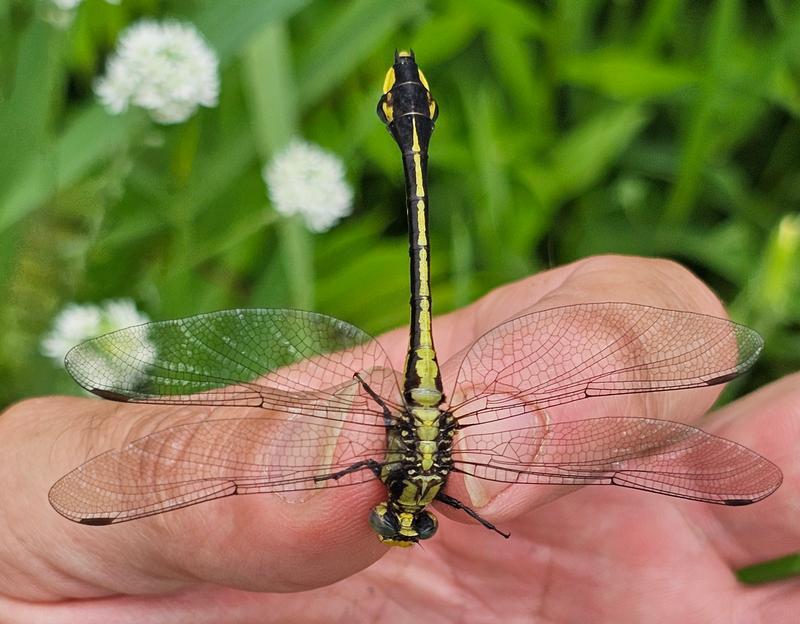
{"x":305,"y":179}
{"x":77,"y":323}
{"x":66,"y":5}
{"x":166,"y":68}
{"x":61,"y":12}
{"x":69,"y":5}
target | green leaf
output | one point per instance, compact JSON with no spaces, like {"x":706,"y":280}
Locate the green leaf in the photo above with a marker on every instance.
{"x":520,"y":18}
{"x":347,"y":41}
{"x":230,"y":25}
{"x":698,"y":145}
{"x":589,"y":150}
{"x":269,"y":87}
{"x":621,"y":73}
{"x":26,"y":164}
{"x":444,"y":35}
{"x":491,"y":181}
{"x":771,"y":571}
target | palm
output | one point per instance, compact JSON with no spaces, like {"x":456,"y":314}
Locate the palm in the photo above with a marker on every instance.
{"x":598,"y":554}
{"x":601,"y":556}
{"x":590,"y":556}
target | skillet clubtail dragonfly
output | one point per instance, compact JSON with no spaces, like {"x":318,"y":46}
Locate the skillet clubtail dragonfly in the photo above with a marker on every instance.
{"x":323,"y":407}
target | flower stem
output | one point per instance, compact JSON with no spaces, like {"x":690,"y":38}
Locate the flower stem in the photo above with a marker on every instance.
{"x":271,"y":97}
{"x":297,"y":251}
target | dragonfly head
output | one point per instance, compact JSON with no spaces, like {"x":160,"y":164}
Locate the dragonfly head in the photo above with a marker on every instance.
{"x":402,"y":528}
{"x":406,"y":93}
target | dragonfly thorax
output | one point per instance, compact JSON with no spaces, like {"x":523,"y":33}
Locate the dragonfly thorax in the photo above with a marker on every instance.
{"x":418,"y":462}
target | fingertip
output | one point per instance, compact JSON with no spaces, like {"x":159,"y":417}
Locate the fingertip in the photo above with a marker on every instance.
{"x":656,"y":282}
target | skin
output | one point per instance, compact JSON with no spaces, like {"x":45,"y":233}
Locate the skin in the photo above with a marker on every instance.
{"x":591,"y":554}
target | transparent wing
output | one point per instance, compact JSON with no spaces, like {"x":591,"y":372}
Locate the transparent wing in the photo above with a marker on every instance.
{"x":645,"y":454}
{"x":556,"y":356}
{"x":282,"y":360}
{"x":191,"y":463}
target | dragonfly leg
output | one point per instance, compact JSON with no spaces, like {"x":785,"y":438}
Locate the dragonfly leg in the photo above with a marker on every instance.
{"x":369,"y":464}
{"x":388,"y":419}
{"x":457,"y":504}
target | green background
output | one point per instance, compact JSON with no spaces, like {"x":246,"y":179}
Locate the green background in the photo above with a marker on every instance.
{"x":666,"y":128}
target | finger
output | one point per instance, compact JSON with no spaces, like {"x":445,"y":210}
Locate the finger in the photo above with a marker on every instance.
{"x":250,"y":542}
{"x":653,"y":282}
{"x":648,"y":281}
{"x":608,"y":278}
{"x":768,"y":421}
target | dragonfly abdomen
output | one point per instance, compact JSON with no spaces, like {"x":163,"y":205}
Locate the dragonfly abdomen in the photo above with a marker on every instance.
{"x":409,"y":112}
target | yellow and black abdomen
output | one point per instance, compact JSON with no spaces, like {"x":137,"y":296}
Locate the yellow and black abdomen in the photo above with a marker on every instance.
{"x":409,"y":112}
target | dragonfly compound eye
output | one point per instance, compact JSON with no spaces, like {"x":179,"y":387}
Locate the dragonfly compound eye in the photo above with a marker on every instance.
{"x":384,"y":522}
{"x":426,"y":525}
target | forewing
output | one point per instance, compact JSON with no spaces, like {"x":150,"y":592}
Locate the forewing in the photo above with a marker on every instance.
{"x":645,"y":454}
{"x":556,"y":356}
{"x":282,"y":360}
{"x":202,"y":461}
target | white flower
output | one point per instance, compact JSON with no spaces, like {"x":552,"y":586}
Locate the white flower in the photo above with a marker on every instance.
{"x":66,"y":5}
{"x":166,"y":68}
{"x":60,"y":12}
{"x":305,"y":179}
{"x":77,"y":323}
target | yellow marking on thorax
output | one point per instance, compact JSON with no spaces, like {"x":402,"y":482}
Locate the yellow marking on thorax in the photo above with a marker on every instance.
{"x":388,"y":81}
{"x":420,"y":492}
{"x":423,"y":80}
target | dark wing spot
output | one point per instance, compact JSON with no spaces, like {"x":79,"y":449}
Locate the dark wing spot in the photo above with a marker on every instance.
{"x":96,"y":521}
{"x":110,"y":395}
{"x":723,"y":378}
{"x":737,"y":502}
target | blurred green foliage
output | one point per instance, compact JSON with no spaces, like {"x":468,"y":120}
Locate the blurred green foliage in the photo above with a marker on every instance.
{"x":665,"y":128}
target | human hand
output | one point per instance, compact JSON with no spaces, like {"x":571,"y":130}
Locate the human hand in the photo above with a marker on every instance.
{"x":594,"y":554}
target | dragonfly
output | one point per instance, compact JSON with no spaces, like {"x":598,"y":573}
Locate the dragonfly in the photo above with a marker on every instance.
{"x":321,"y":405}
